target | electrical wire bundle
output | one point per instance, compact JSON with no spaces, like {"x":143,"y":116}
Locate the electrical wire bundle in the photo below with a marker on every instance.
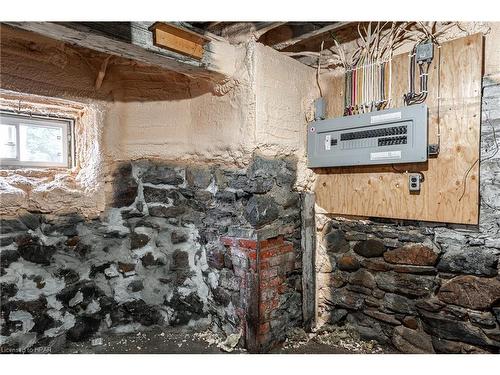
{"x":423,"y":67}
{"x":367,"y":86}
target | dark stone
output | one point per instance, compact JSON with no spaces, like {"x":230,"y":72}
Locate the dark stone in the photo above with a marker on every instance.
{"x":31,"y":220}
{"x":162,"y":211}
{"x":6,"y":241}
{"x":335,"y":242}
{"x":148,"y":260}
{"x":135,"y":286}
{"x":474,"y":292}
{"x":84,"y":328}
{"x":7,"y":291}
{"x":413,"y":254}
{"x":43,"y":322}
{"x":453,"y":347}
{"x":124,"y":186}
{"x":386,"y":318}
{"x":258,"y":185}
{"x":431,"y":304}
{"x":178,"y":237}
{"x":406,"y":284}
{"x":12,"y":226}
{"x":410,"y":322}
{"x":400,"y":304}
{"x":411,"y":341}
{"x":180,"y":260}
{"x":138,"y":311}
{"x":261,"y":210}
{"x":198,"y":178}
{"x":442,"y":326}
{"x":161,"y":174}
{"x":363,"y":278}
{"x":221,"y":296}
{"x":226,"y":196}
{"x":476,"y":261}
{"x":418,"y":270}
{"x":7,"y":257}
{"x":72,"y":241}
{"x":98,"y":268}
{"x":31,"y":249}
{"x":370,"y":248}
{"x":88,"y":289}
{"x":377,"y":264}
{"x":126,"y":267}
{"x":482,"y":319}
{"x":337,"y":316}
{"x":138,"y":240}
{"x":70,"y":276}
{"x":346,"y":299}
{"x":348,"y":263}
{"x":186,"y":308}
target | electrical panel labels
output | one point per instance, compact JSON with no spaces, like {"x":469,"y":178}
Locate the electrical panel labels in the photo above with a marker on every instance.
{"x":390,"y":136}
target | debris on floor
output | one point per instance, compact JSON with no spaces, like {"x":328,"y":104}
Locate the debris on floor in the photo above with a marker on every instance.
{"x":344,"y":338}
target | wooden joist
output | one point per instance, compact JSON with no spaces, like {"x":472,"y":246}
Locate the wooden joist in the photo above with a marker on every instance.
{"x":178,"y":39}
{"x":133,"y":40}
{"x":290,"y":42}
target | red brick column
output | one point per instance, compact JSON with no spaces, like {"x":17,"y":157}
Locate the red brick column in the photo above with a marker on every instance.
{"x":262,"y":266}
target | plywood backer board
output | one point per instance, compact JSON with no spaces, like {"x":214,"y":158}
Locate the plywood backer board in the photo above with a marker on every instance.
{"x":447,"y":194}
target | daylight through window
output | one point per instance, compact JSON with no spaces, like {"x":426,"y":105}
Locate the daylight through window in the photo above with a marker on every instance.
{"x":31,"y":141}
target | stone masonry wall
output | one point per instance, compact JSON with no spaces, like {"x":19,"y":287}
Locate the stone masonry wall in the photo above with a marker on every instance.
{"x":154,"y":257}
{"x":420,"y":287}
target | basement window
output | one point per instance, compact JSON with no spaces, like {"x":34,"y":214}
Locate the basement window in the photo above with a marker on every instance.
{"x":35,"y":141}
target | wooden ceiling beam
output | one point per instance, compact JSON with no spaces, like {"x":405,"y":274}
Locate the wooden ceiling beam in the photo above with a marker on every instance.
{"x":133,"y":41}
{"x":300,"y":38}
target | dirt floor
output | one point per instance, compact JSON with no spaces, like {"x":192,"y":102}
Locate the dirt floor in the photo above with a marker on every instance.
{"x":168,"y":340}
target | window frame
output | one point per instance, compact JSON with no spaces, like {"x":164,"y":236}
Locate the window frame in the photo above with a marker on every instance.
{"x":49,"y":121}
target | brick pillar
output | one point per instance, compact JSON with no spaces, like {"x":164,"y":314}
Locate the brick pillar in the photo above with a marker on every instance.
{"x":261,"y":261}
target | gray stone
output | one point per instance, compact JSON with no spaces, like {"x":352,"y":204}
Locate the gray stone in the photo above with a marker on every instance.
{"x":476,"y":261}
{"x":442,"y":326}
{"x":197,"y":177}
{"x":168,"y":212}
{"x":363,"y":278}
{"x":406,"y":284}
{"x":399,"y":304}
{"x":346,"y":299}
{"x":483,"y":319}
{"x":161,"y":174}
{"x":335,"y":242}
{"x":31,"y":249}
{"x":178,"y":237}
{"x":453,"y":347}
{"x":411,"y":341}
{"x":261,"y":210}
{"x":370,"y":248}
{"x":12,"y":226}
{"x":337,"y":315}
{"x":135,"y":286}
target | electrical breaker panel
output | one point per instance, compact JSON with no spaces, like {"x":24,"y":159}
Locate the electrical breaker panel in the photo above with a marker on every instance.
{"x":390,"y":136}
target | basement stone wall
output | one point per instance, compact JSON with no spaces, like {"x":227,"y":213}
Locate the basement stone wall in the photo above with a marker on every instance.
{"x":149,"y":258}
{"x":420,"y":287}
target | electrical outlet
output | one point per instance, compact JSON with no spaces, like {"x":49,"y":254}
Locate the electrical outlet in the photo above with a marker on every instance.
{"x":424,"y":52}
{"x":414,"y":180}
{"x":433,"y":149}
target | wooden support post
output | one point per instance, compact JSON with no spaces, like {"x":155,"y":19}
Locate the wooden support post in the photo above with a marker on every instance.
{"x":308,"y":242}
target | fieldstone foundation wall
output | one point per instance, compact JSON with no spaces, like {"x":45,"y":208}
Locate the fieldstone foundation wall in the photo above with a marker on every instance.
{"x":420,"y":287}
{"x":154,"y":257}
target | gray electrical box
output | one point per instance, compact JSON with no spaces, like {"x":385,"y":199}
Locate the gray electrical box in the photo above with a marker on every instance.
{"x":389,"y":136}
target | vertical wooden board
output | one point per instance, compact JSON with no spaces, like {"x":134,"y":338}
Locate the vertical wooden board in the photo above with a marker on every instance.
{"x":454,"y":104}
